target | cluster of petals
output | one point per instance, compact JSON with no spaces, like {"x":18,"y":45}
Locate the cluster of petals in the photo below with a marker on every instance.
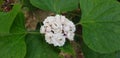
{"x":57,"y":29}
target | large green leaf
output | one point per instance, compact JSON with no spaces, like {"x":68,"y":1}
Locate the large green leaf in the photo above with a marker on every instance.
{"x":101,"y":25}
{"x":88,"y":53}
{"x":87,"y":5}
{"x":12,"y":45}
{"x":38,"y":48}
{"x":118,"y":54}
{"x":56,"y":6}
{"x":6,"y":19}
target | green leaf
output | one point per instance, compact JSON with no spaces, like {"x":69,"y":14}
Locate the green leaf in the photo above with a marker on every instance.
{"x":6,"y":19}
{"x":101,"y":25}
{"x":12,"y":45}
{"x":38,"y":48}
{"x":118,"y":54}
{"x":18,"y":25}
{"x":87,"y":5}
{"x":88,"y":53}
{"x":56,"y":6}
{"x":1,"y":2}
{"x":29,"y":6}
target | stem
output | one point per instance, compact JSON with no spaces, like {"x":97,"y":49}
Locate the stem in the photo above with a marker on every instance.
{"x":34,"y":32}
{"x":78,"y":24}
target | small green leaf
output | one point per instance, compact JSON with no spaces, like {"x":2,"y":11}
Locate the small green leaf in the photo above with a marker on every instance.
{"x":6,"y":19}
{"x":101,"y":25}
{"x":38,"y":48}
{"x":18,"y":25}
{"x":29,"y":6}
{"x":56,"y":6}
{"x":1,"y":2}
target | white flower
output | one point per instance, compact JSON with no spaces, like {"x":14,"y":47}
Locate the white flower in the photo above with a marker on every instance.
{"x":42,"y":30}
{"x":70,"y":36}
{"x":48,"y":29}
{"x":57,"y":29}
{"x":48,"y":37}
{"x":66,"y":28}
{"x":58,"y":39}
{"x":55,"y":39}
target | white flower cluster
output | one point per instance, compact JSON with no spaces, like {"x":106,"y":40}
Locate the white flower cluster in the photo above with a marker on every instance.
{"x":57,"y":29}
